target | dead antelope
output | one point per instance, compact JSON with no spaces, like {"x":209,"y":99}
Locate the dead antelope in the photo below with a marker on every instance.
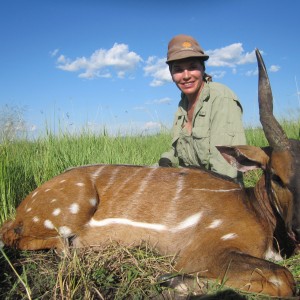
{"x":216,"y":227}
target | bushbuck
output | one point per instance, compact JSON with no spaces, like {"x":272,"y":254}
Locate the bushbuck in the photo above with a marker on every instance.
{"x":215,"y":227}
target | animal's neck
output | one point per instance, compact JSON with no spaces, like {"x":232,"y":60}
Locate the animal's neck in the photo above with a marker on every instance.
{"x":264,"y":206}
{"x":274,"y":222}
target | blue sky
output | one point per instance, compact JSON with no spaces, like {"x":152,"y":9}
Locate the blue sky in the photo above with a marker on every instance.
{"x":88,"y":63}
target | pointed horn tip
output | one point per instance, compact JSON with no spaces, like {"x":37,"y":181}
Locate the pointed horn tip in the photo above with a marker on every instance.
{"x":260,"y":61}
{"x":258,"y":54}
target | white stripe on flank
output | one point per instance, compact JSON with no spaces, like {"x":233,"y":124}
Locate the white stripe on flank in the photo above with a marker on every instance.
{"x":34,"y":194}
{"x":111,"y":180}
{"x":96,"y":174}
{"x":110,"y":221}
{"x":179,"y":187}
{"x":218,"y":191}
{"x":144,"y":183}
{"x":124,"y":183}
{"x":187,"y":223}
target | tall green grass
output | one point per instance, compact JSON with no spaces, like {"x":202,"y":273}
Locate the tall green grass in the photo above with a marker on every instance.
{"x":24,"y":165}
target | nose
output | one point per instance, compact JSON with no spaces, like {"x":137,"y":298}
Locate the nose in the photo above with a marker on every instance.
{"x":186,"y":74}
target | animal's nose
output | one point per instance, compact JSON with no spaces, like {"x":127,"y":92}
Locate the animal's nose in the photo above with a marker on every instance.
{"x":297,"y":234}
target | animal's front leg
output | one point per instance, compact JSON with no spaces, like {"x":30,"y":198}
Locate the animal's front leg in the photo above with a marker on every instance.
{"x":252,"y":274}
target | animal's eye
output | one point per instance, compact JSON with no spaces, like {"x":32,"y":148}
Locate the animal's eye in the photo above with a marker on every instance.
{"x":277,"y":180}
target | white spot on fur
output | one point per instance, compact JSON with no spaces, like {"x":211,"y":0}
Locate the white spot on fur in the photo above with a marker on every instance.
{"x":74,"y":208}
{"x":28,"y":209}
{"x":229,"y":236}
{"x":64,"y":231}
{"x":62,"y":181}
{"x":215,"y":224}
{"x":56,"y":212}
{"x":276,"y":281}
{"x":53,"y":200}
{"x":47,"y":190}
{"x":271,"y":254}
{"x":34,"y":194}
{"x":35,"y":219}
{"x":80,"y":184}
{"x":48,"y":224}
{"x":93,"y":202}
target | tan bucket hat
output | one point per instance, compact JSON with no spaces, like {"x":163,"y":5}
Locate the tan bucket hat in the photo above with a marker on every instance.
{"x":183,"y":46}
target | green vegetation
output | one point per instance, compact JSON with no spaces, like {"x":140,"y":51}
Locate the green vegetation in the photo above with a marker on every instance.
{"x":113,"y":272}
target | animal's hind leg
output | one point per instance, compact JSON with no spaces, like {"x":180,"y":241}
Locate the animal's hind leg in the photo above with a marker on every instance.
{"x":245,"y":272}
{"x":11,"y":235}
{"x":31,"y":243}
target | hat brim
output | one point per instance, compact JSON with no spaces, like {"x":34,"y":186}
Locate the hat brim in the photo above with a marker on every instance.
{"x":186,"y":54}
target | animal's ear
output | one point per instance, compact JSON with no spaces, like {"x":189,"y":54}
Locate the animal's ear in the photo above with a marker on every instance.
{"x":245,"y":158}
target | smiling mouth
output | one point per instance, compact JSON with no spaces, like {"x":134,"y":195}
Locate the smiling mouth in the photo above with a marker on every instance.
{"x":187,"y":84}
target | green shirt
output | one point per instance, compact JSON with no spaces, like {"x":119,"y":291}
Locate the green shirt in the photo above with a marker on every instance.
{"x":217,"y":120}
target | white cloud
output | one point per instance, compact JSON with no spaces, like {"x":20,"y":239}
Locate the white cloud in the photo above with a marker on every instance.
{"x":230,"y":56}
{"x":61,"y":59}
{"x":118,"y":57}
{"x":54,"y":52}
{"x":274,"y":68}
{"x":158,"y":69}
{"x":217,"y":74}
{"x":252,"y":72}
{"x":104,"y":62}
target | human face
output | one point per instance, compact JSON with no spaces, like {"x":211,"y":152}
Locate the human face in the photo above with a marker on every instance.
{"x":188,"y":76}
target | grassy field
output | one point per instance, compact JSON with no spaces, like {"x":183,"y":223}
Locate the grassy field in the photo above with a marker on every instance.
{"x":114,"y":272}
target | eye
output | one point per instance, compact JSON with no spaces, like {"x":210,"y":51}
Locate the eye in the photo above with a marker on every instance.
{"x":176,"y":70}
{"x":193,"y":67}
{"x":277,"y":180}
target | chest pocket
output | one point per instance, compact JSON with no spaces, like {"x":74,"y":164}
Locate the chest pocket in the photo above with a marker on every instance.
{"x":201,"y":143}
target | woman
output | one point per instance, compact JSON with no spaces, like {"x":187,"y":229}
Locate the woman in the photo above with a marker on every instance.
{"x":209,"y":113}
